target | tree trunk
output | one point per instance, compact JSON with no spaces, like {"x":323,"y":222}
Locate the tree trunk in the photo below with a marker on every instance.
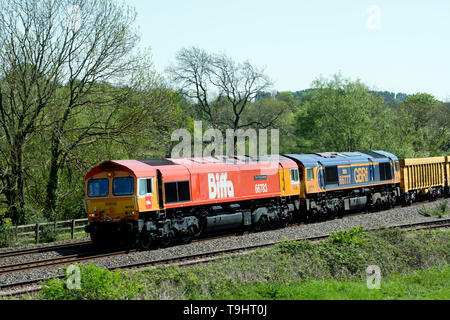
{"x":15,"y":194}
{"x":52,"y":183}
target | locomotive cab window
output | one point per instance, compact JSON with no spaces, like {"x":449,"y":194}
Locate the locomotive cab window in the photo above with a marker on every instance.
{"x":98,"y":188}
{"x":331,"y":175}
{"x":396,"y":166}
{"x":123,"y":186}
{"x":294,"y":176}
{"x":310,"y":174}
{"x":385,"y":171}
{"x":145,"y":187}
{"x":178,"y":191}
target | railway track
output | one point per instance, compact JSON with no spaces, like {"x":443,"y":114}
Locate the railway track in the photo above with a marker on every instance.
{"x":83,"y":256}
{"x":21,"y":252}
{"x":78,"y":257}
{"x":210,"y":256}
{"x":108,"y":252}
{"x":187,"y":260}
{"x":86,"y":243}
{"x":69,"y":259}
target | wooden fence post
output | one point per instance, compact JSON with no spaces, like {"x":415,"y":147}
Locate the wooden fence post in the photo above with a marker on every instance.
{"x":73,"y":229}
{"x":37,"y":232}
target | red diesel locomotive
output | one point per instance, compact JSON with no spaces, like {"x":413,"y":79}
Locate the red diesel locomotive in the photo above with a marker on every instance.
{"x":167,"y":199}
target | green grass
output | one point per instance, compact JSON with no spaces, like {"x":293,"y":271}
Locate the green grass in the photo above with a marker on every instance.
{"x":414,"y":265}
{"x":440,"y":211}
{"x":431,"y":284}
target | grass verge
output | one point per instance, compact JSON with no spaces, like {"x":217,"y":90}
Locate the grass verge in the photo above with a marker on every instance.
{"x":429,"y":284}
{"x":414,"y":265}
{"x":440,"y":211}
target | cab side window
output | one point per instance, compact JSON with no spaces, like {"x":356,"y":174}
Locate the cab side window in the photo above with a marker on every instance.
{"x":310,"y":174}
{"x":294,"y":176}
{"x":178,"y":191}
{"x":145,"y":187}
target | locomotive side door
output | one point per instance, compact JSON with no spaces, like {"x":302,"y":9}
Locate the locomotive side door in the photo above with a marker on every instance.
{"x":371,"y":170}
{"x":160,"y":189}
{"x":282,"y":182}
{"x":321,"y":179}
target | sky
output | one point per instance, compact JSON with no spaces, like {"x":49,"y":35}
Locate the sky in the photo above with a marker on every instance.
{"x":392,"y":45}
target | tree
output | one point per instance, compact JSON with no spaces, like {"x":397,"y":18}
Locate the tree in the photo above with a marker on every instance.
{"x":342,"y":115}
{"x":221,"y":88}
{"x":54,"y":56}
{"x":289,"y":99}
{"x":426,"y":123}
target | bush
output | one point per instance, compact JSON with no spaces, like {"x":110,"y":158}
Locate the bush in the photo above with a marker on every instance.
{"x":354,"y":236}
{"x":294,"y":247}
{"x":443,"y":207}
{"x":6,"y":236}
{"x":33,"y":215}
{"x":440,"y":211}
{"x":97,"y":283}
{"x":47,"y":233}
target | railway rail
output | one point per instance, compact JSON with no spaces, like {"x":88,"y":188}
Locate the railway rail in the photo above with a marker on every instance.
{"x":87,"y":243}
{"x":97,"y":253}
{"x":187,"y":260}
{"x":210,"y":256}
{"x":25,"y":251}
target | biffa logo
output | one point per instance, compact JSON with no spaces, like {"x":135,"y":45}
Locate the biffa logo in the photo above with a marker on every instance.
{"x":219,"y":186}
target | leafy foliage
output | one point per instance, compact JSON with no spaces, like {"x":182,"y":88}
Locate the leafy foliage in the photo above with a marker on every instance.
{"x":6,"y":236}
{"x":339,"y":114}
{"x":440,"y":211}
{"x":354,"y":236}
{"x":96,"y":284}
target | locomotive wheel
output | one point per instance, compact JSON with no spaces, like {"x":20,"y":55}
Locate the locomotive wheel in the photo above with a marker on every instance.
{"x":145,"y":241}
{"x":185,"y":238}
{"x":99,"y":239}
{"x":274,"y":224}
{"x":165,"y":241}
{"x":260,"y":224}
{"x":378,"y":206}
{"x":257,"y":227}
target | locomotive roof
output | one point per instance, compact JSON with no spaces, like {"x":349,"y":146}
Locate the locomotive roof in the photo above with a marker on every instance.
{"x":340,"y":158}
{"x":181,"y":167}
{"x":147,"y":167}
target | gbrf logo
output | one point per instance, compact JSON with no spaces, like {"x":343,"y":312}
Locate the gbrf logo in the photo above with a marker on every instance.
{"x":361,"y":175}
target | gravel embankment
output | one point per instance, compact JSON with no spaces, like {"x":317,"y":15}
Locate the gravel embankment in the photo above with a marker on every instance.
{"x":392,"y":217}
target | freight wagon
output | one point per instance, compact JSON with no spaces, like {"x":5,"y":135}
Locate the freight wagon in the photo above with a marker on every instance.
{"x":423,"y":177}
